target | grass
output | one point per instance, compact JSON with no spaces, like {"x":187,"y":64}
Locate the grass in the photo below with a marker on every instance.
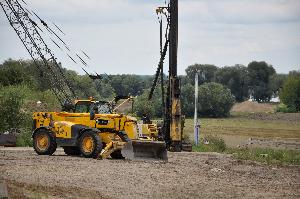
{"x":242,"y":126}
{"x":215,"y":144}
{"x":268,"y":156}
{"x":24,"y":139}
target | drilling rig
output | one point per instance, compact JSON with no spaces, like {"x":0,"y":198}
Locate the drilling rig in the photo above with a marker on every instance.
{"x":173,"y":124}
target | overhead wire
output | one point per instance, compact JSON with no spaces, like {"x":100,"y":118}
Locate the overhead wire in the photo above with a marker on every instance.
{"x":65,"y":45}
{"x":50,"y":37}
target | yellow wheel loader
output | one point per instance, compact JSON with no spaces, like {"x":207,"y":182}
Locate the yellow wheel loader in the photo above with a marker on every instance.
{"x":93,"y":134}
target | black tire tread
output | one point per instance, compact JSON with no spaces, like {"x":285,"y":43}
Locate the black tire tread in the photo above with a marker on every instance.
{"x":52,"y":146}
{"x":97,"y":141}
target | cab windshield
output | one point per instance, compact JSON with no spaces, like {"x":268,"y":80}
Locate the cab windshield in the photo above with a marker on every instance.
{"x":82,"y":107}
{"x":102,"y":107}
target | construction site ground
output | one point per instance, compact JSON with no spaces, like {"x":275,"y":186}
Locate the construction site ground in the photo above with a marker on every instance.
{"x":185,"y":175}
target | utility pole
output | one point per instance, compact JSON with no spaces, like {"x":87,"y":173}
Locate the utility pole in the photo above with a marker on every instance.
{"x":196,"y":124}
{"x":173,"y":126}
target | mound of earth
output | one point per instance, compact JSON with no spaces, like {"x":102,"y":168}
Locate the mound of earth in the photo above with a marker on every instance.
{"x":253,"y":107}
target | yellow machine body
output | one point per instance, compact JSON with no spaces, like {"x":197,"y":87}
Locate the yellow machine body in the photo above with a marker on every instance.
{"x":67,"y":128}
{"x":113,"y":130}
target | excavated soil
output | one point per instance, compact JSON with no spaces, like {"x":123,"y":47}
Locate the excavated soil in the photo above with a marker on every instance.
{"x":291,"y":118}
{"x":185,"y":175}
{"x":253,"y":107}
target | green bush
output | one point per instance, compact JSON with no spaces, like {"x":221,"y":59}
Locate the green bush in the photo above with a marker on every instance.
{"x":290,"y":93}
{"x":284,"y":108}
{"x":11,"y":102}
{"x":24,"y":139}
{"x":215,"y":100}
{"x":152,"y":108}
{"x":143,"y":106}
{"x":187,"y":99}
{"x":211,"y":144}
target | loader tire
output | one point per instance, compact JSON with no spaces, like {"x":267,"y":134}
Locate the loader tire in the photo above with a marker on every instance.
{"x":117,"y":155}
{"x":44,"y":142}
{"x":71,"y":150}
{"x":90,"y":144}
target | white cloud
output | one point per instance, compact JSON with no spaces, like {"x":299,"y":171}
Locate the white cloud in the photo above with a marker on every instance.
{"x":122,"y":35}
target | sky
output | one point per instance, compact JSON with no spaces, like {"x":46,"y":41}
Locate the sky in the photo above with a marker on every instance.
{"x":122,"y":36}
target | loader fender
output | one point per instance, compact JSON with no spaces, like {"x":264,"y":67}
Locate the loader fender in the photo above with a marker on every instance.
{"x":43,"y":127}
{"x":81,"y":130}
{"x":77,"y":130}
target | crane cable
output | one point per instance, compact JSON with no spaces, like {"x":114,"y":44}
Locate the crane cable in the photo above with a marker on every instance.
{"x":52,"y":32}
{"x":163,"y":53}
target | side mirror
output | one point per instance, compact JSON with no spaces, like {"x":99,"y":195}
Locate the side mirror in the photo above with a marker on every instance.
{"x":92,"y":114}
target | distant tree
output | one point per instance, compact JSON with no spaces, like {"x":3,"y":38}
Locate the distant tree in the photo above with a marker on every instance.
{"x":74,"y":81}
{"x":290,"y":93}
{"x":294,"y":73}
{"x":151,"y":107}
{"x":11,"y":101}
{"x":143,"y":106}
{"x":184,"y":80}
{"x":12,"y":73}
{"x":105,"y":90}
{"x":147,"y":80}
{"x":235,"y":78}
{"x":187,"y":99}
{"x":127,"y":84}
{"x":87,"y":86}
{"x":215,"y":100}
{"x":276,"y":83}
{"x":259,"y":74}
{"x":206,"y":73}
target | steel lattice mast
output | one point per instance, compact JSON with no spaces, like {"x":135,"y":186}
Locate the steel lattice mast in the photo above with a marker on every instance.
{"x":42,"y":56}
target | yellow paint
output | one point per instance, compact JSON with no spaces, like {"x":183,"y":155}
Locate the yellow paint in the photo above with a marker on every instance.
{"x":88,"y":144}
{"x":42,"y":142}
{"x":175,"y":131}
{"x":62,"y":129}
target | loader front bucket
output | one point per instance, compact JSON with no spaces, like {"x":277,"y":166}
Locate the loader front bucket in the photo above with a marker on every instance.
{"x":145,"y":150}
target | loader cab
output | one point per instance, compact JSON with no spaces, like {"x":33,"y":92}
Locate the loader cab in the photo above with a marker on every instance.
{"x":100,"y":107}
{"x":83,"y":106}
{"x":103,"y":107}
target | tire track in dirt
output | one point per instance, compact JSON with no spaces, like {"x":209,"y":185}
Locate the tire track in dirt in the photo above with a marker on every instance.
{"x":185,"y":175}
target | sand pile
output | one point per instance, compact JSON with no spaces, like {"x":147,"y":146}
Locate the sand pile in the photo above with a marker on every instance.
{"x":255,"y":107}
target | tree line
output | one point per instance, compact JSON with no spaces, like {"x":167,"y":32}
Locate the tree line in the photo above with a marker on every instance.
{"x":219,"y":87}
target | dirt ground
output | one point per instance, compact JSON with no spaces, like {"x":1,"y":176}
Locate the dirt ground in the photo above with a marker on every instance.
{"x":253,"y":107}
{"x":185,"y":175}
{"x":290,"y":118}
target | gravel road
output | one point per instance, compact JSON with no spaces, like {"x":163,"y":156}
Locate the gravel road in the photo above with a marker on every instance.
{"x":185,"y":175}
